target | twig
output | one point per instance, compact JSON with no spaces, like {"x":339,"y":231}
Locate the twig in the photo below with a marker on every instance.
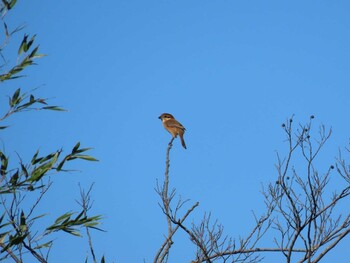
{"x":85,"y":204}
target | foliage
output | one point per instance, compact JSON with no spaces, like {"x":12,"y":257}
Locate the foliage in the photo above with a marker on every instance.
{"x":22,"y":188}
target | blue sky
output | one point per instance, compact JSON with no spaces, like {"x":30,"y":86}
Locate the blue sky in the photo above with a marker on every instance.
{"x":230,"y":71}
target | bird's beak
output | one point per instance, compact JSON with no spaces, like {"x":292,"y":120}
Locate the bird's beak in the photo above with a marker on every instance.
{"x":159,"y":117}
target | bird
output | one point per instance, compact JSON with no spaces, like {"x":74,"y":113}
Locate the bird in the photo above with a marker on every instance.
{"x":174,"y":127}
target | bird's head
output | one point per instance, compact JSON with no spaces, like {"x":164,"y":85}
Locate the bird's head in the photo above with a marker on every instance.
{"x":166,"y":116}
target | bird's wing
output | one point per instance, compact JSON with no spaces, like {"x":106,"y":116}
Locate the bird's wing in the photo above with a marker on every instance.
{"x":175,"y":124}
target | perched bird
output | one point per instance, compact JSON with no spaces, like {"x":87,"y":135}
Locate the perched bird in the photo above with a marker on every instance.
{"x":173,"y":126}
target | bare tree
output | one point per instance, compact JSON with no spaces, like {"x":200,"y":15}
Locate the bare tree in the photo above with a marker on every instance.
{"x":300,"y":213}
{"x":305,"y":214}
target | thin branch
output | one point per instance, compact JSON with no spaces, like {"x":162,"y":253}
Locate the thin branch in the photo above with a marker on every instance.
{"x":85,"y":204}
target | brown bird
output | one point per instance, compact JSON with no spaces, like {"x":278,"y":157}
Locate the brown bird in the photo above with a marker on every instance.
{"x":173,"y":126}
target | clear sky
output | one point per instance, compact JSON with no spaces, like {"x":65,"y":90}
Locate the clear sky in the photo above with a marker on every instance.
{"x":230,"y":71}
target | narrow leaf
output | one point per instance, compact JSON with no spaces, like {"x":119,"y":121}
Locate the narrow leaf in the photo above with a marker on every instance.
{"x":40,"y":171}
{"x":23,"y":223}
{"x":6,"y":30}
{"x":14,"y":99}
{"x":4,"y":163}
{"x":23,"y":46}
{"x":14,"y":178}
{"x":87,"y":158}
{"x":56,"y":108}
{"x":83,"y":150}
{"x":45,"y":245}
{"x":59,"y":167}
{"x":13,"y":2}
{"x":76,"y":147}
{"x":62,"y":217}
{"x":24,"y":170}
{"x":34,"y":157}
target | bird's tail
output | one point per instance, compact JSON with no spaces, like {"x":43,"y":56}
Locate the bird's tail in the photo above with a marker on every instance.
{"x":182,"y":141}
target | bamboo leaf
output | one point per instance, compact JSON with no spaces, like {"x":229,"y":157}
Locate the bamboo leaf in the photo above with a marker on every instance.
{"x":37,"y":217}
{"x":79,"y":216}
{"x":76,"y":147}
{"x":34,"y":158}
{"x":59,"y":167}
{"x":14,"y":178}
{"x":64,"y":216}
{"x":6,"y":30}
{"x":72,"y":232}
{"x":23,"y":223}
{"x":15,"y":98}
{"x":23,"y":47}
{"x":24,"y":170}
{"x":40,"y":171}
{"x":4,"y":163}
{"x":29,"y":44}
{"x":45,"y":245}
{"x":55,"y":108}
{"x":12,"y":3}
{"x":48,"y":157}
{"x":83,"y":150}
{"x":86,"y":157}
{"x":2,"y":217}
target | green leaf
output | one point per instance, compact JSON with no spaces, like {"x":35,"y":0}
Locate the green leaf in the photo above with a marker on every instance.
{"x":48,"y":157}
{"x":39,"y":56}
{"x":92,"y":224}
{"x":14,"y":178}
{"x":86,"y":157}
{"x":25,"y":105}
{"x":34,"y":157}
{"x":24,"y":170}
{"x":76,"y":147}
{"x":83,"y":150}
{"x":2,"y":217}
{"x":6,"y":30}
{"x":4,"y":163}
{"x":67,"y":224}
{"x":63,"y":217}
{"x":42,"y":101}
{"x":79,"y":216}
{"x":37,"y":217}
{"x":15,"y":98}
{"x":6,"y":4}
{"x":9,"y":5}
{"x":23,"y":47}
{"x":56,"y":108}
{"x":59,"y":167}
{"x":29,"y":44}
{"x":15,"y":240}
{"x":40,"y":171}
{"x":23,"y":224}
{"x":72,"y":232}
{"x":45,"y":245}
{"x":33,"y":53}
{"x":12,"y":3}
